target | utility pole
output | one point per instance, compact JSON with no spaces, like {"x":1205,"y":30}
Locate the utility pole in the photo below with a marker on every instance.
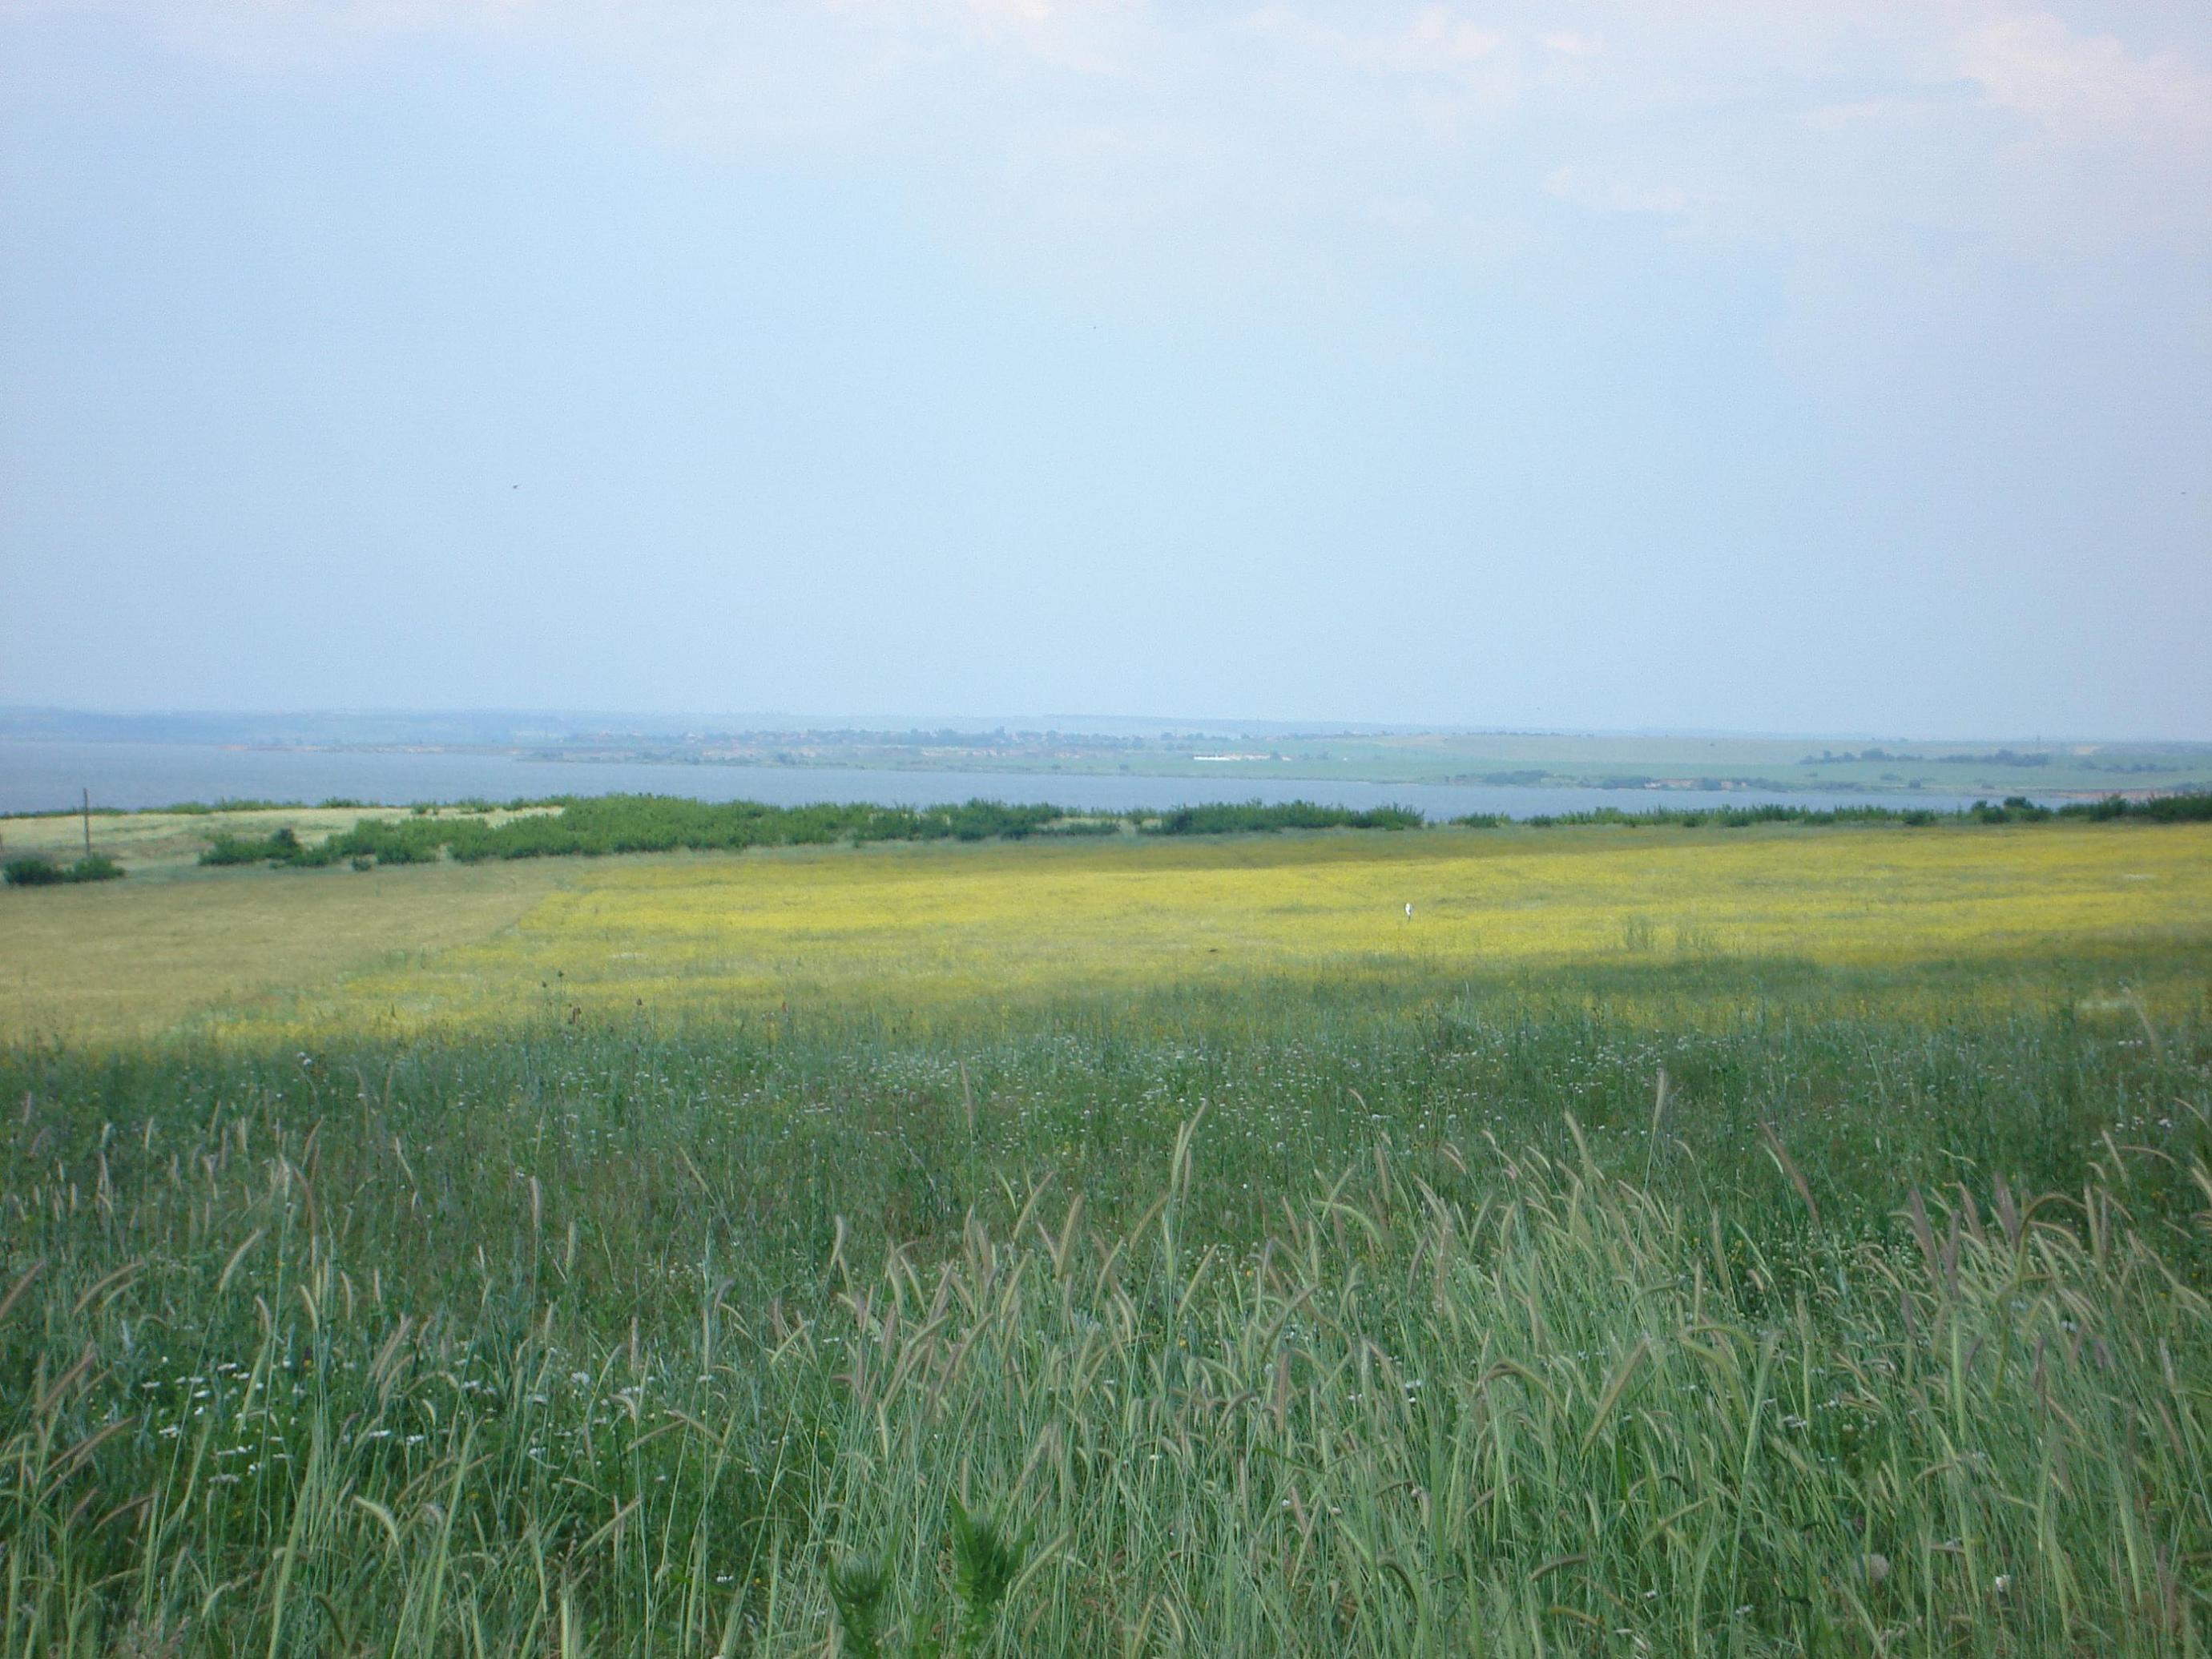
{"x":88,"y":823}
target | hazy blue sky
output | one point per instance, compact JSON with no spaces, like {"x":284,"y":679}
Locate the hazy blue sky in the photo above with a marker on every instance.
{"x":1835,"y":365}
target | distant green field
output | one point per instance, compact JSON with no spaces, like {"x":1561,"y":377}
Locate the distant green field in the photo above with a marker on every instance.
{"x":1656,"y":765}
{"x":1759,"y":1241}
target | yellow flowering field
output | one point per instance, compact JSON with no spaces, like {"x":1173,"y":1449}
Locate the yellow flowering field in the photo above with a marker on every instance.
{"x":937,"y":926}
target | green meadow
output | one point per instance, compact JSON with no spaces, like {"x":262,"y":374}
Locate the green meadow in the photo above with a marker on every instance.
{"x":1780,"y":1239}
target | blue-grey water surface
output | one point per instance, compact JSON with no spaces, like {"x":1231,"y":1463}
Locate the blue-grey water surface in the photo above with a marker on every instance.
{"x":46,"y":777}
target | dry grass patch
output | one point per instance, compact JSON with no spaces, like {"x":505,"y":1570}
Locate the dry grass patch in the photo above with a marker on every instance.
{"x":127,"y":959}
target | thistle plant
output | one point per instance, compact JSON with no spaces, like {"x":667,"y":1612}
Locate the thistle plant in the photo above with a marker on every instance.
{"x":986,"y":1561}
{"x":856,"y":1591}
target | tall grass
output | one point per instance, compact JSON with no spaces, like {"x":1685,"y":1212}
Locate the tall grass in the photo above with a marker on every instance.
{"x":1186,"y":1327}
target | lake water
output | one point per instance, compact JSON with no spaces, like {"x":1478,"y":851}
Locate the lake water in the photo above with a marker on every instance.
{"x":46,"y":777}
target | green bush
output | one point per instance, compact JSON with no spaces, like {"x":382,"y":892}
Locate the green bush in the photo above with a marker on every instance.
{"x":2014,"y":809}
{"x":2194,"y":807}
{"x":33,"y":871}
{"x":279,"y":846}
{"x":1244,"y":818}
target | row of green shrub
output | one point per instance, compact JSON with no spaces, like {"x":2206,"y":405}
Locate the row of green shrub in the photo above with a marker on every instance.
{"x":596,"y":825}
{"x":602,"y":825}
{"x":36,"y":871}
{"x":241,"y":804}
{"x":1242,"y":817}
{"x":2193,"y":808}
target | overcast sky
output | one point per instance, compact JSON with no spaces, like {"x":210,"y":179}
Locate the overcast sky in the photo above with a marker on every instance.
{"x":1833,"y":364}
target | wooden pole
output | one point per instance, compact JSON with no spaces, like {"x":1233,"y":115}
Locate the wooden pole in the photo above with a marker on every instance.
{"x":88,"y":823}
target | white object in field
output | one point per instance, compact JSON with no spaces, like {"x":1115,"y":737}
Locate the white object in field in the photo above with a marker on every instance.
{"x":1409,"y":909}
